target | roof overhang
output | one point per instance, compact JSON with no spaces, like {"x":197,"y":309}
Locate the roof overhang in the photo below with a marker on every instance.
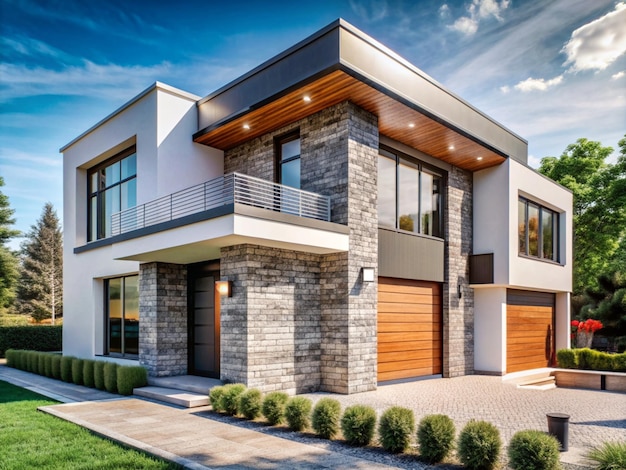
{"x":340,"y":63}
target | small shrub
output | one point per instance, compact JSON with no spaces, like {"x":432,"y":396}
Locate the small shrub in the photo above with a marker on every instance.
{"x":566,"y":359}
{"x":41,"y":363}
{"x":358,"y":425}
{"x":48,"y":365}
{"x":298,"y":413}
{"x":533,"y":450}
{"x":55,"y":366}
{"x":88,"y":378}
{"x":479,"y":445}
{"x":325,"y":418}
{"x":609,"y":456}
{"x":110,"y":377}
{"x":435,"y":436}
{"x":250,"y":403}
{"x":77,"y":371}
{"x":98,"y":375}
{"x":619,"y":362}
{"x":601,"y":361}
{"x":12,"y":358}
{"x":215,"y":398}
{"x":31,"y":361}
{"x":230,"y":398}
{"x":273,"y":407}
{"x":66,"y":368}
{"x":129,"y":378}
{"x":395,"y":429}
{"x":585,"y":358}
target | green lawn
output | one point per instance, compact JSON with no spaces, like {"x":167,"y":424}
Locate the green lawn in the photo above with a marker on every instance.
{"x":31,"y":439}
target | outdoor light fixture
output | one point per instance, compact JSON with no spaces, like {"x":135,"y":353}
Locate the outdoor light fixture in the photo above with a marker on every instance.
{"x":246,"y":126}
{"x":224,"y":288}
{"x":367,"y":274}
{"x":306,"y":98}
{"x":459,"y":290}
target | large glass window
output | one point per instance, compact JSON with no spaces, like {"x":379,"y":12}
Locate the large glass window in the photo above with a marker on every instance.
{"x":409,"y":195}
{"x":112,"y":188}
{"x":538,"y":230}
{"x":122,"y":308}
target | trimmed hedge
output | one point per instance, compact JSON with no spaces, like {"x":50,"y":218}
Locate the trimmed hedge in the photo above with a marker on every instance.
{"x":396,"y":426}
{"x":298,"y":413}
{"x":325,"y":419}
{"x":533,"y":450}
{"x":250,"y":403}
{"x":215,"y":398}
{"x":273,"y":407}
{"x":230,"y":398}
{"x":31,"y":338}
{"x":99,"y":374}
{"x":590,"y":359}
{"x":358,"y":425}
{"x":479,"y":445}
{"x":435,"y":436}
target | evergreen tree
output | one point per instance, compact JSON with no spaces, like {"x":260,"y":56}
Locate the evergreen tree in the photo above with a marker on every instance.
{"x":8,"y":258}
{"x":40,"y":292}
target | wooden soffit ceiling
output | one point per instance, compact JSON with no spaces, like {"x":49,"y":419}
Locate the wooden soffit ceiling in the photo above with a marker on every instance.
{"x":396,"y":120}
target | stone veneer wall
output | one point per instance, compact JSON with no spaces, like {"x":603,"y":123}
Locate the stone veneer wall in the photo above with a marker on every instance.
{"x":163,"y":318}
{"x":339,"y":152}
{"x":270,"y":327}
{"x":458,"y":314}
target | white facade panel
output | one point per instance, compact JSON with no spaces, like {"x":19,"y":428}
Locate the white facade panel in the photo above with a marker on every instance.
{"x":490,"y":330}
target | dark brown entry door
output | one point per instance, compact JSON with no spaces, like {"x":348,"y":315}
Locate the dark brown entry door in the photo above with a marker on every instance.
{"x":204,"y":321}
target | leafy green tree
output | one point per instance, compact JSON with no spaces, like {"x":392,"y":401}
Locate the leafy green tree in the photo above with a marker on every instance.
{"x":8,"y":258}
{"x":608,"y":304}
{"x":599,"y":190}
{"x":40,"y":291}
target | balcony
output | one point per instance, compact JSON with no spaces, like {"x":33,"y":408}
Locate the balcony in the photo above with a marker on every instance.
{"x":194,"y":224}
{"x":233,"y":188}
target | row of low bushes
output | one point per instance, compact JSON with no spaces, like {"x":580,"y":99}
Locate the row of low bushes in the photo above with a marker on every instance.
{"x":478,"y":444}
{"x":590,"y":359}
{"x":102,"y":375}
{"x":36,"y":337}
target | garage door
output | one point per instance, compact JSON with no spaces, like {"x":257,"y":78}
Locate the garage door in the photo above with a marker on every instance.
{"x":530,"y":330}
{"x":409,"y":329}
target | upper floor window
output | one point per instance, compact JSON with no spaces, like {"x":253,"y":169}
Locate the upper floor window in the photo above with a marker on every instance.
{"x":409,"y":195}
{"x":112,"y":188}
{"x":289,"y":160}
{"x":538,"y":231}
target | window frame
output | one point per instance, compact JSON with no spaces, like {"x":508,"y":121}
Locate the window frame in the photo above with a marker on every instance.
{"x":107,"y":316}
{"x":100,"y":230}
{"x":556,"y":235}
{"x":422,"y":167}
{"x":278,"y":145}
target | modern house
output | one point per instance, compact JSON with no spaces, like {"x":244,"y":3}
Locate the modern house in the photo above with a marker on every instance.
{"x":330,"y":220}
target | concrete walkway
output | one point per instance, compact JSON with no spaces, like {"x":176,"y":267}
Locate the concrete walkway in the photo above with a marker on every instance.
{"x":197,"y":438}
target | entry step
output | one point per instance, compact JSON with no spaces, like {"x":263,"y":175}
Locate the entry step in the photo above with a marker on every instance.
{"x":173,"y":396}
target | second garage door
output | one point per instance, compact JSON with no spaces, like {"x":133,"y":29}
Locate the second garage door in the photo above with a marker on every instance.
{"x":530,"y":330}
{"x":409,"y":329}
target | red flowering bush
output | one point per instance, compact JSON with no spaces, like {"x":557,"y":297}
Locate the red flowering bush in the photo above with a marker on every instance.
{"x":582,"y":331}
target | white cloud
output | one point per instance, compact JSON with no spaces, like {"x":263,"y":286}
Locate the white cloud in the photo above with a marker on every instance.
{"x":597,"y":44}
{"x":444,"y":11}
{"x":479,"y":10}
{"x":505,"y":89}
{"x":618,"y":75}
{"x":373,"y":10}
{"x":538,"y":84}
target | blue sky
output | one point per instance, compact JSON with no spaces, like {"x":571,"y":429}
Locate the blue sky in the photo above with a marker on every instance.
{"x":550,"y":70}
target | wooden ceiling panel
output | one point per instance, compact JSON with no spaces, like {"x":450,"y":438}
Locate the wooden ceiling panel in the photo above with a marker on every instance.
{"x":395,"y":120}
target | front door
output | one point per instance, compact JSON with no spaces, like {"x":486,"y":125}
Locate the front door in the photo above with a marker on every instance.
{"x":204,"y":320}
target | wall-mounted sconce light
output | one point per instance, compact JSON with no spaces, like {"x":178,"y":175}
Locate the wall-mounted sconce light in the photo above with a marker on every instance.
{"x":459,"y":290}
{"x":224,"y":288}
{"x":367,"y":274}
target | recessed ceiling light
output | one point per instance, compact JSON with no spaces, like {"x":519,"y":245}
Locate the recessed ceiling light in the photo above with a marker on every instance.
{"x":411,"y":125}
{"x":306,"y":98}
{"x":479,"y":158}
{"x":246,"y":126}
{"x":451,"y":147}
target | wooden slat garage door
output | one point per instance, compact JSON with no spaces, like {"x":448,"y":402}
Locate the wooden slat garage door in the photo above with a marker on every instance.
{"x":530,"y":330}
{"x":409,"y":328}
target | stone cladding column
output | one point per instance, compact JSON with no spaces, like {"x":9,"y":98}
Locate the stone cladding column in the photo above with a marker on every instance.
{"x":163,"y":336}
{"x":458,"y":314}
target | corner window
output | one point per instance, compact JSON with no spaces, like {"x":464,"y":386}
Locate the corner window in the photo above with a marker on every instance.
{"x":288,"y":156}
{"x":122,"y":313}
{"x":409,"y":195}
{"x":112,"y":188}
{"x":538,"y":231}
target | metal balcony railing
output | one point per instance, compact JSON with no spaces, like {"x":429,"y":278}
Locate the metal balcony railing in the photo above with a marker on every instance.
{"x":228,"y":189}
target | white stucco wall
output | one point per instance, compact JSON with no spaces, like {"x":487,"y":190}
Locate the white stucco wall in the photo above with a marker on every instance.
{"x":160,"y":122}
{"x":490,"y":330}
